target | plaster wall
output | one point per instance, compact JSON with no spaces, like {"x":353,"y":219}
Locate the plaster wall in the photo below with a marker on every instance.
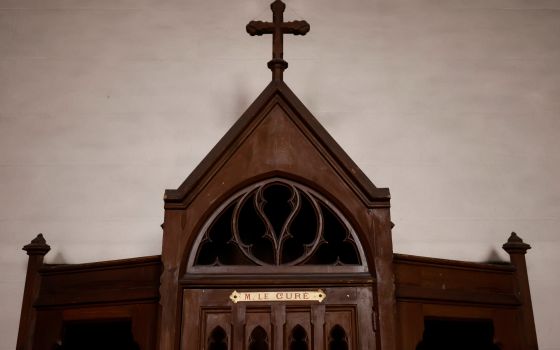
{"x":454,"y":105}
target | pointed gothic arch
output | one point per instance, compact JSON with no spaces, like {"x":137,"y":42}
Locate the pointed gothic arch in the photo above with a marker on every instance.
{"x":259,"y":339}
{"x":338,"y":339}
{"x":299,"y":339}
{"x":218,"y":339}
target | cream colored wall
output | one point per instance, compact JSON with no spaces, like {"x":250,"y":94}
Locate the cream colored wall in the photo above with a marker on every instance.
{"x":452,"y":104}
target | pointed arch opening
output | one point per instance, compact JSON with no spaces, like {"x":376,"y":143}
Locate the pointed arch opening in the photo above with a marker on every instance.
{"x":217,"y":340}
{"x":258,"y":339}
{"x":338,"y":340}
{"x":298,"y":339}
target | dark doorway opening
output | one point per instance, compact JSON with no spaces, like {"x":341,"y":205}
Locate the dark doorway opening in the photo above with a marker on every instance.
{"x":98,"y":334}
{"x":457,"y":334}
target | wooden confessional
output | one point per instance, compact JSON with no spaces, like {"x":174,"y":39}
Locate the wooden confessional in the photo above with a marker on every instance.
{"x":275,"y":241}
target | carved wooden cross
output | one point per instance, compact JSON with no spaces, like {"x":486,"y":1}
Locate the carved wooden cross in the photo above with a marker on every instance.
{"x":277,"y":28}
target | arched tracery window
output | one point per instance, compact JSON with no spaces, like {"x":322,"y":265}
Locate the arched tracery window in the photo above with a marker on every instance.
{"x":277,"y":222}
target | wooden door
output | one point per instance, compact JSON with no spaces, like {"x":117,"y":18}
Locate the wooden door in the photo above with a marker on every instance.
{"x":342,"y":321}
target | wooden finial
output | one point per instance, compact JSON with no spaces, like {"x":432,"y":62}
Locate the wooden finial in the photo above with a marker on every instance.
{"x":38,"y":246}
{"x":516,"y":245}
{"x":28,"y":316}
{"x":277,"y":28}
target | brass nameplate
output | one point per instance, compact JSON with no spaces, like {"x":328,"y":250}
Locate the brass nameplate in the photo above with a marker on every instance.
{"x":268,"y":296}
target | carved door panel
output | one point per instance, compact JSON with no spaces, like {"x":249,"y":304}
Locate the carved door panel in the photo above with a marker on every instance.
{"x":343,"y":321}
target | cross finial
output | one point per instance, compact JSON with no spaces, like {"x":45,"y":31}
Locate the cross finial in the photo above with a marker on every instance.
{"x":277,"y":28}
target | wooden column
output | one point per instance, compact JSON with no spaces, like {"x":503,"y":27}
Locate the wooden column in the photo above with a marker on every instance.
{"x":516,"y":249}
{"x":36,"y":250}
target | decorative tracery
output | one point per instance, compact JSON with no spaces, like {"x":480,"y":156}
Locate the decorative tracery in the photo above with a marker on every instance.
{"x":277,"y":222}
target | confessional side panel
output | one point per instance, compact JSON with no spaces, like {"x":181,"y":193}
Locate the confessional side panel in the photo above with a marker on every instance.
{"x":52,"y":323}
{"x":413,"y":315}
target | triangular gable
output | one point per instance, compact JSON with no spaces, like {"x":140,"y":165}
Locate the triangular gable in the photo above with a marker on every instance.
{"x":277,"y":93}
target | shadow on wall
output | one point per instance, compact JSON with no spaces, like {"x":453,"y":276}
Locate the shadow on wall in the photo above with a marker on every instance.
{"x":494,"y":257}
